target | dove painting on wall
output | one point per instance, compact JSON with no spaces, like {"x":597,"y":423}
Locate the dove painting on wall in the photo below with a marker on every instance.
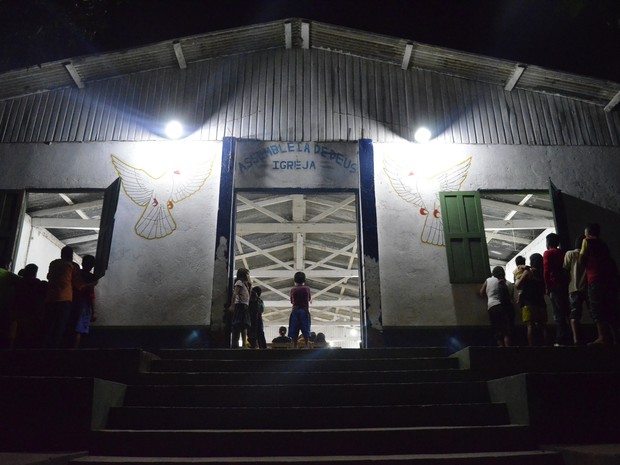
{"x":423,"y":192}
{"x":158,"y":195}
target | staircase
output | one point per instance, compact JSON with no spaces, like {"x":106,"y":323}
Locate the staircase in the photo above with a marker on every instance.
{"x":300,"y":406}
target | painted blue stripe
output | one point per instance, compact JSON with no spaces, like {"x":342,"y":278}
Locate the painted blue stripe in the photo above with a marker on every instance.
{"x":225,"y":211}
{"x":368,"y":205}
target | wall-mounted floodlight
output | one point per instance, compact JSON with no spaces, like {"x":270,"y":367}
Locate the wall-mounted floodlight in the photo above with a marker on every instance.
{"x":174,"y":130}
{"x":353,"y":332}
{"x":422,"y":135}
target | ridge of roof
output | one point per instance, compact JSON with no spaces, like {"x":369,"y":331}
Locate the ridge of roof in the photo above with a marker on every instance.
{"x":302,"y":33}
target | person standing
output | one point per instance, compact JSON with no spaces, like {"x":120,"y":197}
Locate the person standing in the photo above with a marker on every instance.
{"x":300,"y":314}
{"x":61,"y":280}
{"x":256,"y":333}
{"x":532,"y":299}
{"x":239,"y":308}
{"x":8,"y":281}
{"x":84,"y":300}
{"x":577,"y":289}
{"x":602,"y":278}
{"x":500,"y":307}
{"x":556,"y":284}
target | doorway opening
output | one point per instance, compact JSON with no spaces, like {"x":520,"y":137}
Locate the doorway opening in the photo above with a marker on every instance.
{"x":54,"y":219}
{"x":314,"y":232}
{"x":515,"y":223}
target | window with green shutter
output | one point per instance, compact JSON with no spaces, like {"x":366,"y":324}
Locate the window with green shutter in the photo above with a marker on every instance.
{"x":463,"y":225}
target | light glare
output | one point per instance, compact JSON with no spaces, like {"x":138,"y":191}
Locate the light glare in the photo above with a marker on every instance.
{"x":174,"y":130}
{"x":422,"y":135}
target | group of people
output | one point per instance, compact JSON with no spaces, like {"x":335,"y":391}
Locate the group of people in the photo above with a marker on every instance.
{"x":246,"y":312}
{"x":318,"y":341}
{"x":52,"y":313}
{"x":584,"y":276}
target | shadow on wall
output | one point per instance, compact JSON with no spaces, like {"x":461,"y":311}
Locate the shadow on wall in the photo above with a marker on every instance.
{"x":469,"y":307}
{"x":579,"y":213}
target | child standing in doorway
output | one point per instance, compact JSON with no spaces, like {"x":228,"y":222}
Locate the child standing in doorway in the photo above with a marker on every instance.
{"x":300,"y":314}
{"x":239,"y":307}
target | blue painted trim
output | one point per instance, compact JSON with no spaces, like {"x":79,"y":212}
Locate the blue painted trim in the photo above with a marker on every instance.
{"x":368,"y":206}
{"x":226,"y":206}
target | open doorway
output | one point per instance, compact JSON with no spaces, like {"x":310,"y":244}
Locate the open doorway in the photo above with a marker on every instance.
{"x":515,"y":223}
{"x":53,"y":220}
{"x":317,"y":233}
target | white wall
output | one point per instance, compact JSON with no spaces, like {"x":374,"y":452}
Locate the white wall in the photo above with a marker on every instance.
{"x":168,"y":281}
{"x":156,"y":281}
{"x":36,"y":246}
{"x":415,"y":286}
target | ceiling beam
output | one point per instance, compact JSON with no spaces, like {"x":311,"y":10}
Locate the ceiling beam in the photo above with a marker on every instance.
{"x":74,"y":74}
{"x":407,"y":56}
{"x":264,"y":211}
{"x":65,"y":223}
{"x":299,"y":215}
{"x":290,"y":228}
{"x":315,"y":304}
{"x":67,"y":209}
{"x":258,"y":253}
{"x":266,"y":273}
{"x":305,"y":35}
{"x":505,"y":238}
{"x":81,"y":239}
{"x":501,"y":225}
{"x":514,"y":77}
{"x":265,"y":202}
{"x":613,"y":102}
{"x":507,"y":207}
{"x":178,"y":51}
{"x":333,"y":209}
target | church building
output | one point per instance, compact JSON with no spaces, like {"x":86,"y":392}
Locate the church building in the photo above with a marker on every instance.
{"x":394,"y":174}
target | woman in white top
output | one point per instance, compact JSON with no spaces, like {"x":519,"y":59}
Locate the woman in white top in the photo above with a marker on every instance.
{"x":500,"y":307}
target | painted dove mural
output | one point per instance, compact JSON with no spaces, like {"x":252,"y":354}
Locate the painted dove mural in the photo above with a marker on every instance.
{"x":423,"y":192}
{"x":158,"y":195}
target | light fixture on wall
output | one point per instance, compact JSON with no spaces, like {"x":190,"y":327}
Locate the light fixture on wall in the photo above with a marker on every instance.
{"x":174,"y":130}
{"x":422,"y":135}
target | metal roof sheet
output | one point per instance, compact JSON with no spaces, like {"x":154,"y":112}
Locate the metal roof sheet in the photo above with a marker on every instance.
{"x":271,"y":35}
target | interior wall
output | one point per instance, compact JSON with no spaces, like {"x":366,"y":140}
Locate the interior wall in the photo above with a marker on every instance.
{"x":36,"y":246}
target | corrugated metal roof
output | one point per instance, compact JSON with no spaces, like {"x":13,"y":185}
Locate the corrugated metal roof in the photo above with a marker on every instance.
{"x":271,"y":35}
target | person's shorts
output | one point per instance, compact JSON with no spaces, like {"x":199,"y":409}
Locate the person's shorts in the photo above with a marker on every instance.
{"x":576,"y":301}
{"x":299,"y":321}
{"x":603,"y":300}
{"x":532,"y":314}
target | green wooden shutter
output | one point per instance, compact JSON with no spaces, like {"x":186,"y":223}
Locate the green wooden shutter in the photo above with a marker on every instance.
{"x":466,"y":247}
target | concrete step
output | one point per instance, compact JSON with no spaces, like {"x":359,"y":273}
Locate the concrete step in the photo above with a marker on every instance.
{"x":169,"y":418}
{"x":311,"y":442}
{"x":303,"y":364}
{"x":287,"y":354}
{"x":480,"y":458}
{"x":304,"y":377}
{"x":306,"y":395}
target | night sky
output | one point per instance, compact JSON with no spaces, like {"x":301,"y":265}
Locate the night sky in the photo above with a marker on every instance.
{"x":578,"y":36}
